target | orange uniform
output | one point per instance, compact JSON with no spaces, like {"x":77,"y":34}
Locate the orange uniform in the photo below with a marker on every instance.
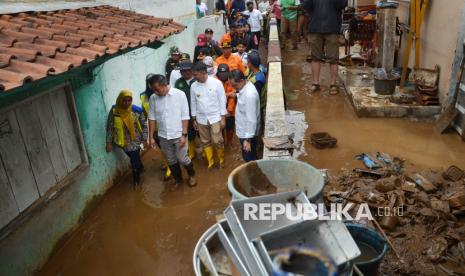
{"x":233,"y":61}
{"x":230,"y":101}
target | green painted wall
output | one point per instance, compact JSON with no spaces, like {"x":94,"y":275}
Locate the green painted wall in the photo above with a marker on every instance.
{"x":24,"y":250}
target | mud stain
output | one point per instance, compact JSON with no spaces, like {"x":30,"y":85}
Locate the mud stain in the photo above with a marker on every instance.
{"x":253,"y":182}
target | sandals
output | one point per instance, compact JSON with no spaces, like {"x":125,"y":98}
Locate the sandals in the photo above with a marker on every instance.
{"x":315,"y":88}
{"x":333,"y":90}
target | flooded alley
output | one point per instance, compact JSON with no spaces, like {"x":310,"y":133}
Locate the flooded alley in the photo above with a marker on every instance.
{"x":149,"y":231}
{"x":103,"y":105}
{"x":408,"y":138}
{"x":153,"y":232}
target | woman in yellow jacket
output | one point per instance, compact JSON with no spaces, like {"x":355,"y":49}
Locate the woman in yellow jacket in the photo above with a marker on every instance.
{"x":145,"y":97}
{"x":127,"y":129}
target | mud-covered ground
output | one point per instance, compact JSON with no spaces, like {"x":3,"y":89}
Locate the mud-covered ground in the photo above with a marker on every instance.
{"x":151,"y":231}
{"x":430,"y":234}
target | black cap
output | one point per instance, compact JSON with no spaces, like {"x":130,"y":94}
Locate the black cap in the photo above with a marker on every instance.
{"x":223,"y":68}
{"x":185,"y":65}
{"x":208,"y":30}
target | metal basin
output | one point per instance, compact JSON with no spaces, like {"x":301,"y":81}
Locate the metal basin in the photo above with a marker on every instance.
{"x":273,"y":176}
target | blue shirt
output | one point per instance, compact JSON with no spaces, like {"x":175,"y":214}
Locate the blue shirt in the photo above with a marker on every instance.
{"x":238,"y":5}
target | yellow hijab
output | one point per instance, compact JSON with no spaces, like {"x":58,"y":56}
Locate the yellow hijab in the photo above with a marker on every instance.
{"x":126,"y":113}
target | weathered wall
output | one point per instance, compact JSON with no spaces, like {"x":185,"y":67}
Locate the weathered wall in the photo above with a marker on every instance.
{"x":215,"y":22}
{"x":438,"y":37}
{"x":26,"y":248}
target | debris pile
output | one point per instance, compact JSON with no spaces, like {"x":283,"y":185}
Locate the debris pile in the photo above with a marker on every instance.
{"x":422,"y":213}
{"x":426,"y":85}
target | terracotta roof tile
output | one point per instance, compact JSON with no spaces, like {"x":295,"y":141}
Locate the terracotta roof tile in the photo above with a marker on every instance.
{"x":20,"y":36}
{"x":83,"y":37}
{"x":54,"y":19}
{"x":32,"y":68}
{"x":45,"y":50}
{"x":73,"y":59}
{"x":5,"y":60}
{"x":95,"y":47}
{"x":59,"y":44}
{"x":22,"y":54}
{"x":10,"y":25}
{"x":59,"y":65}
{"x":72,"y":41}
{"x":37,"y":44}
{"x":66,"y":28}
{"x":88,"y":54}
{"x":39,"y":21}
{"x":13,"y":77}
{"x":37,"y":32}
{"x":7,"y":41}
{"x":23,"y":23}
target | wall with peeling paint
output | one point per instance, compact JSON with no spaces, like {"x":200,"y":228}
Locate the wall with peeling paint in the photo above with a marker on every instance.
{"x":24,"y":249}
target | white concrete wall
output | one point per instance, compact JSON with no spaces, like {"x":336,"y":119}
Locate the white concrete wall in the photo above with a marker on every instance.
{"x":438,"y":37}
{"x":215,"y":22}
{"x":27,"y":248}
{"x":129,"y":71}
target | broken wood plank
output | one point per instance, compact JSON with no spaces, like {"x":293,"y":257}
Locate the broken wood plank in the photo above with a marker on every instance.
{"x":447,"y":117}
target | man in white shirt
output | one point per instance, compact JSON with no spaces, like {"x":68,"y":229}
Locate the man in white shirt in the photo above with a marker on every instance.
{"x":264,"y":6}
{"x":168,"y":107}
{"x":208,"y":110}
{"x":247,"y":114}
{"x":255,"y":20}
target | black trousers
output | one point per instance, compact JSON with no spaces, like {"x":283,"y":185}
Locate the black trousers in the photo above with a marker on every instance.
{"x":257,"y":34}
{"x":134,"y":157}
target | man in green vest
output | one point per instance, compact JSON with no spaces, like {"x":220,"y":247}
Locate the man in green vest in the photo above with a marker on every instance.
{"x":172,"y":62}
{"x":184,"y":84}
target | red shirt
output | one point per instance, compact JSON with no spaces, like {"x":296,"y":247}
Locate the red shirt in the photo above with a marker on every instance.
{"x":276,"y":10}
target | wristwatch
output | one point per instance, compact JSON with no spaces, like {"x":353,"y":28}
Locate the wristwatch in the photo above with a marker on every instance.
{"x":184,"y":134}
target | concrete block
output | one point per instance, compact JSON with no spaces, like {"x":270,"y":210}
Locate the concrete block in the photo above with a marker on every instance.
{"x":274,"y":51}
{"x":368,"y":104}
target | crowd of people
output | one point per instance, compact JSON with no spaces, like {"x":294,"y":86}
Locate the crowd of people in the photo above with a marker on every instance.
{"x":205,"y":101}
{"x":317,"y":22}
{"x":220,"y":92}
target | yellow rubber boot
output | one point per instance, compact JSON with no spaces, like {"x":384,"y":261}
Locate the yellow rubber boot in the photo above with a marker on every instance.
{"x":191,"y":149}
{"x":165,"y":163}
{"x":220,"y":154}
{"x":209,"y":154}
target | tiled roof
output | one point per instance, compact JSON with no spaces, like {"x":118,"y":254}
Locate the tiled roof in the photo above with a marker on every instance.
{"x":34,"y":45}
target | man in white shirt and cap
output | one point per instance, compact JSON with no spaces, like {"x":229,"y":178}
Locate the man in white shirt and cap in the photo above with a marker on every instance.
{"x":169,"y":109}
{"x":208,"y":110}
{"x":247,"y":114}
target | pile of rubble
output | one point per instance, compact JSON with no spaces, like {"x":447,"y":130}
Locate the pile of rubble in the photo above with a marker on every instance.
{"x":421,"y":213}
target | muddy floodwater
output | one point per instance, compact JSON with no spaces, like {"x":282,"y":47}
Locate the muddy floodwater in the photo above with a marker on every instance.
{"x":415,"y":141}
{"x":151,"y":231}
